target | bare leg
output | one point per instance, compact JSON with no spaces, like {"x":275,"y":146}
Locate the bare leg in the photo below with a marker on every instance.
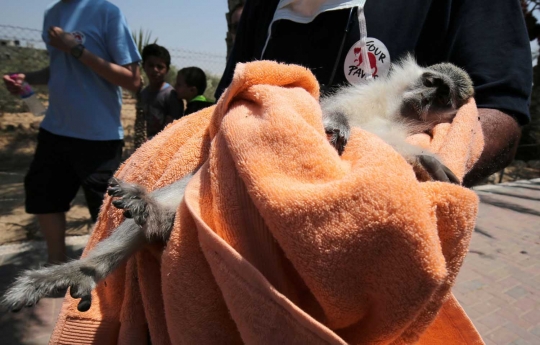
{"x":53,"y":227}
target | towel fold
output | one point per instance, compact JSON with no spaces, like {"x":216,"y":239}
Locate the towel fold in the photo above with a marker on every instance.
{"x":279,"y":240}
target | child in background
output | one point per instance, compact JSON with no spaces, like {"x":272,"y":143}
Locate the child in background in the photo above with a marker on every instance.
{"x":160,"y":101}
{"x":190,"y":86}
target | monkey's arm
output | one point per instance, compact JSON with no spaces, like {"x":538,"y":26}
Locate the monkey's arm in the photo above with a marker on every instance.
{"x":155,"y":214}
{"x":81,"y":275}
{"x":501,"y":138}
{"x":337,"y":129}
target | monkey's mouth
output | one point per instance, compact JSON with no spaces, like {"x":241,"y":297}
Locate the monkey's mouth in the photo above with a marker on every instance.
{"x":414,"y":109}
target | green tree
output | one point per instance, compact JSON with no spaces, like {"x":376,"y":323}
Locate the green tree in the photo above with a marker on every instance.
{"x":142,"y":38}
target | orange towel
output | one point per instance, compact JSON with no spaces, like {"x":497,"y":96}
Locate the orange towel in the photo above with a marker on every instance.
{"x":281,"y":241}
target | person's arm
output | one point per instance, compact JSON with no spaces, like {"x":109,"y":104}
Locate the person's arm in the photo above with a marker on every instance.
{"x":501,"y":137}
{"x":13,"y":83}
{"x":40,"y":77}
{"x":489,"y":40}
{"x":127,"y":76}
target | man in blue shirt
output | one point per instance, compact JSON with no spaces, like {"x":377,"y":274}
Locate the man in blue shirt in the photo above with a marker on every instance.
{"x":92,"y":55}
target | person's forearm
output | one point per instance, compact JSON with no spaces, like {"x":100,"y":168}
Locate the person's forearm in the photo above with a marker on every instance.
{"x":127,"y":76}
{"x":40,"y":77}
{"x":501,"y":137}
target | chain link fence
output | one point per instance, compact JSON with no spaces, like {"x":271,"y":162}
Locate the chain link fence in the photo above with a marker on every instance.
{"x":23,"y":49}
{"x":15,"y":36}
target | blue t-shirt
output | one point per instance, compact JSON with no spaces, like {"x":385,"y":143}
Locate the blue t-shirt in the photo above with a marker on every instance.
{"x":81,"y":103}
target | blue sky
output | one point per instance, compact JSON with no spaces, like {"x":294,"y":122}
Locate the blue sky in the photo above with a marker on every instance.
{"x":198,"y":25}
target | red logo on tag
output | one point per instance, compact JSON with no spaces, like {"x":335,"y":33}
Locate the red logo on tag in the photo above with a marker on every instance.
{"x":378,"y":61}
{"x":372,"y":59}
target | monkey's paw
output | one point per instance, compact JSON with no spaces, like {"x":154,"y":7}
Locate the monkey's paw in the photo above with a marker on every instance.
{"x":337,"y":130}
{"x":132,"y":199}
{"x":33,"y":285}
{"x":434,"y":168}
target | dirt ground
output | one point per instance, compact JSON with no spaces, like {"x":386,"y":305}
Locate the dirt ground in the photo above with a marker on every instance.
{"x":17,"y":144}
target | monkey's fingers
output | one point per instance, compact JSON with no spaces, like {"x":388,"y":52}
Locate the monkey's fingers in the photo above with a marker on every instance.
{"x":337,"y":129}
{"x":82,"y":287}
{"x":119,"y":203}
{"x":85,"y":303}
{"x":114,"y":188}
{"x":437,"y":170}
{"x":338,"y":140}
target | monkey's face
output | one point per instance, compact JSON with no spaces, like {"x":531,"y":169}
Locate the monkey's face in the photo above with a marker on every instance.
{"x":437,"y":94}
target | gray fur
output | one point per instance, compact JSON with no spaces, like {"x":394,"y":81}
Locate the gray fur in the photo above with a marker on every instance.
{"x":411,"y":99}
{"x":153,"y":216}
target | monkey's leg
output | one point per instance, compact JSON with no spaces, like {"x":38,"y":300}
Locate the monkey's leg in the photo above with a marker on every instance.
{"x":426,"y":164}
{"x":80,"y":275}
{"x":154,"y":212}
{"x":435,"y":169}
{"x":83,"y":275}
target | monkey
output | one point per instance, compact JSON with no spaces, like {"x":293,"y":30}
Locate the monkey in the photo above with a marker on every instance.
{"x":410,"y":100}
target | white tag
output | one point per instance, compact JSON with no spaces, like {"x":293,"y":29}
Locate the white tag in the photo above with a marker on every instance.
{"x":379,"y":60}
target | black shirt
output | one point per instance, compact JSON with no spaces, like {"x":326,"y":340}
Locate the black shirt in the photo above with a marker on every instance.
{"x":158,"y":105}
{"x":194,"y":106}
{"x":487,"y":38}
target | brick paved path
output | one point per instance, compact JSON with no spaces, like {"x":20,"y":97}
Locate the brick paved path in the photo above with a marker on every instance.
{"x":499,"y":284}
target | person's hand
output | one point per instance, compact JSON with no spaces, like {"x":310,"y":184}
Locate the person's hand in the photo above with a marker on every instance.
{"x":61,"y":40}
{"x":13,"y":82}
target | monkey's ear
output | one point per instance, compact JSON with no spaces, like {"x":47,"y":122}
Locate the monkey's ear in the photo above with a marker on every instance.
{"x":428,"y":80}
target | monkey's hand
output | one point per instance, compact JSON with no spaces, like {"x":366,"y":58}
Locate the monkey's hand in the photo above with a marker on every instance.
{"x":430,"y":165}
{"x":337,"y":130}
{"x":51,"y":281}
{"x":155,"y":219}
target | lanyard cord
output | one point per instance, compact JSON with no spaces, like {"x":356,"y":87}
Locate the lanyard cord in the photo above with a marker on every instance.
{"x":366,"y":66}
{"x":338,"y":57}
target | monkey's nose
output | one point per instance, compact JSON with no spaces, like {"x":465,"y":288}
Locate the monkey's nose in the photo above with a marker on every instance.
{"x":443,"y":95}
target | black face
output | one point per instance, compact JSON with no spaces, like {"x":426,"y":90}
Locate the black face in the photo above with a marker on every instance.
{"x":437,"y":95}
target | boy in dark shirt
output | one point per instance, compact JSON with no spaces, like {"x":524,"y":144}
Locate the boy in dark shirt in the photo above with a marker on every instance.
{"x":160,"y":101}
{"x":190,"y":86}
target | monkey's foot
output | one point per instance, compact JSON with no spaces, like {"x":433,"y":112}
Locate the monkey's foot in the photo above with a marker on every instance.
{"x":33,"y":285}
{"x":133,"y":199}
{"x":429,"y":165}
{"x":337,"y":130}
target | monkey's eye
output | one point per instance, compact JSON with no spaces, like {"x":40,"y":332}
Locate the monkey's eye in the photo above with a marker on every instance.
{"x":443,"y":100}
{"x":428,"y":81}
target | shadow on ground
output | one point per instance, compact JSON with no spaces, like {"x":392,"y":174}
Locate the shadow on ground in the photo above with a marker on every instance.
{"x":32,"y":325}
